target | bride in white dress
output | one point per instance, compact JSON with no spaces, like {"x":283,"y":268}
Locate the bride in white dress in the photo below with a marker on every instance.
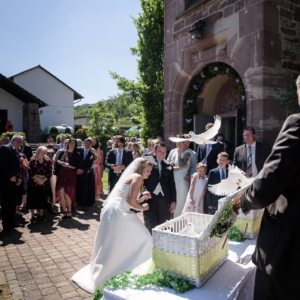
{"x":122,"y":241}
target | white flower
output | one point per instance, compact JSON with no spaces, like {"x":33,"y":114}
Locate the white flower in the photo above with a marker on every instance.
{"x":189,"y":101}
{"x":92,"y":157}
{"x":215,"y":68}
{"x":194,"y":87}
{"x":170,"y":168}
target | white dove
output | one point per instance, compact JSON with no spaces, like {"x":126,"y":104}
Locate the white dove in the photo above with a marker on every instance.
{"x":235,"y":180}
{"x":190,"y":229}
{"x":203,"y":138}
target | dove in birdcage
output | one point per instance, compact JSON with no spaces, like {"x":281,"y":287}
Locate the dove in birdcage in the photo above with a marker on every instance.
{"x":203,"y":138}
{"x":235,"y":179}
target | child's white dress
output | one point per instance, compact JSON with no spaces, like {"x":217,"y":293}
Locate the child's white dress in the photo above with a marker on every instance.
{"x":198,"y":191}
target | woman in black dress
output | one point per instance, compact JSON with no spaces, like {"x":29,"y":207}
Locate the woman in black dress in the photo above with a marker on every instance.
{"x":40,"y":172}
{"x":65,"y":168}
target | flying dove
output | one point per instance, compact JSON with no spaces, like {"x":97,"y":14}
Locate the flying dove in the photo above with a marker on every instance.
{"x":235,"y":180}
{"x":203,"y":138}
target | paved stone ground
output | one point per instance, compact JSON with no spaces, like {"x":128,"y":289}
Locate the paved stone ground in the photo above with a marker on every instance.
{"x":38,"y":260}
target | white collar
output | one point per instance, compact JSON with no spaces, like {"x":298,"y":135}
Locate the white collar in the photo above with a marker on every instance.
{"x":220,"y":169}
{"x":253,"y":145}
{"x":120,"y":149}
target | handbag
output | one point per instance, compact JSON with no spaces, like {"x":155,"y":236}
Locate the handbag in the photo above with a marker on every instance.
{"x":40,"y":176}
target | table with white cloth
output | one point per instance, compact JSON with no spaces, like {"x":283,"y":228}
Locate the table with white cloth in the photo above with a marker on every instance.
{"x":233,"y":280}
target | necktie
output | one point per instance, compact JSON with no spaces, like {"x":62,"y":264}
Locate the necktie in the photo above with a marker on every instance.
{"x":159,"y":167}
{"x":208,"y":146}
{"x":223,"y":174}
{"x":119,"y":157}
{"x":249,"y":162}
{"x":85,"y":153}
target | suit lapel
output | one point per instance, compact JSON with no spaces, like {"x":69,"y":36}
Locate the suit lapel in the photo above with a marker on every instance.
{"x":244,"y":156}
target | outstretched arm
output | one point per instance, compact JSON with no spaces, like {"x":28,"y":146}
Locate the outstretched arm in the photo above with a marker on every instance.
{"x":134,"y":193}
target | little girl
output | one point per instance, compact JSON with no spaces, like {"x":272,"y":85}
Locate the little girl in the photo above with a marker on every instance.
{"x":194,"y":200}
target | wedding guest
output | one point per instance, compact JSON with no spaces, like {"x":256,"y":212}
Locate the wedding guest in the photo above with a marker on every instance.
{"x":214,"y":177}
{"x":61,"y":145}
{"x":10,"y":177}
{"x":85,"y":188}
{"x":97,"y":168}
{"x":117,"y":161}
{"x":208,"y":153}
{"x":26,"y":149}
{"x":52,"y":195}
{"x":40,"y":172}
{"x":153,"y":142}
{"x":181,"y":162}
{"x":220,"y":137}
{"x":227,"y":149}
{"x":276,"y":189}
{"x":129,"y":146}
{"x":161,"y":186}
{"x":132,"y":140}
{"x":66,"y":166}
{"x":195,"y":198}
{"x":79,"y":143}
{"x":21,"y":190}
{"x":109,"y":145}
{"x":251,"y":156}
{"x":160,"y":138}
{"x":150,"y":147}
{"x":136,"y":151}
{"x":50,"y":140}
{"x":5,"y":140}
{"x":60,"y":150}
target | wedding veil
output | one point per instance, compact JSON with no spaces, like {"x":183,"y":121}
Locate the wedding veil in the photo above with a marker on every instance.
{"x":132,"y":168}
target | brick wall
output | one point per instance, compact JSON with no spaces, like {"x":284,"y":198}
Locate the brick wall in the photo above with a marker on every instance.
{"x":31,"y":123}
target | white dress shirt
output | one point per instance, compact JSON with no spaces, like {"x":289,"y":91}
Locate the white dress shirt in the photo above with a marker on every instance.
{"x":253,"y":149}
{"x":158,"y":188}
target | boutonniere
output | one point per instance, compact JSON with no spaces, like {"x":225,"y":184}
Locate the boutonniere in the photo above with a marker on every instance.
{"x":170,"y":168}
{"x":91,"y":157}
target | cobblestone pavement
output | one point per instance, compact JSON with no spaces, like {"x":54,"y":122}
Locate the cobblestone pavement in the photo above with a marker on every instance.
{"x":38,"y":260}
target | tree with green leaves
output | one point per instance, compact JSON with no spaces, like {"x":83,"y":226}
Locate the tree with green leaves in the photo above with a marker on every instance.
{"x":148,"y":90}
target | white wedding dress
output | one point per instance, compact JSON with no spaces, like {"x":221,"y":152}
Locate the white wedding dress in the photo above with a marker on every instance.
{"x":122,"y":242}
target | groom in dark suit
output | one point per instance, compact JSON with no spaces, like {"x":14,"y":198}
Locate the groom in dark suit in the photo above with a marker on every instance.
{"x":215,"y":176}
{"x":10,"y":177}
{"x":117,"y":161}
{"x":161,"y":185}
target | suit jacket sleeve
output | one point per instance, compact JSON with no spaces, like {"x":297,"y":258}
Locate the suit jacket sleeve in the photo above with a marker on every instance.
{"x":109,"y":160}
{"x":172,"y":187}
{"x":129,"y":159}
{"x":5,"y":161}
{"x":279,"y":169}
{"x":209,"y":195}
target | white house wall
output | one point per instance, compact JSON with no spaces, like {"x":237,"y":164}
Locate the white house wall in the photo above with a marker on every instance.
{"x":14,"y":109}
{"x":60,"y":99}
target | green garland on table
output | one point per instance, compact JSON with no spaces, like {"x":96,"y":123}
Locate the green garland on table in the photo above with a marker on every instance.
{"x":234,"y":234}
{"x":196,"y":87}
{"x":222,"y":224}
{"x":156,"y":278}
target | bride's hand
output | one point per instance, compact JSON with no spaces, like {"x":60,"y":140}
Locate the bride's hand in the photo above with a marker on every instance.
{"x":145,"y":206}
{"x":144,"y":198}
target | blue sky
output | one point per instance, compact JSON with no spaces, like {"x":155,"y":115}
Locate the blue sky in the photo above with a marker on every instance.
{"x":78,"y":41}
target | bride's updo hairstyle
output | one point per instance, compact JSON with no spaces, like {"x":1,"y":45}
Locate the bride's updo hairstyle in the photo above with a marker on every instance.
{"x":144,"y":163}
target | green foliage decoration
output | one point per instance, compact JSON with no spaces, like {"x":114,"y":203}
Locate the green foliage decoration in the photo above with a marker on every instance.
{"x":147,"y":92}
{"x":290,"y":100}
{"x":79,"y":131}
{"x":161,"y":279}
{"x":54,"y":129}
{"x":234,"y":234}
{"x":68,"y":136}
{"x":197,"y":85}
{"x":11,"y":134}
{"x":68,"y":130}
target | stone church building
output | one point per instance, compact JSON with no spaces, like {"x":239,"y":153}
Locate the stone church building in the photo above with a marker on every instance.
{"x":258,"y":39}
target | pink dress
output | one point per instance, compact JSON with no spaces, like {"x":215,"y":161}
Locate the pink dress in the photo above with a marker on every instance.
{"x":99,"y":168}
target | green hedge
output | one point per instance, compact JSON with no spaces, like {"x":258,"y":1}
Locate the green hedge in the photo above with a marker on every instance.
{"x":53,"y":129}
{"x":68,"y":136}
{"x":11,"y":134}
{"x":68,"y":130}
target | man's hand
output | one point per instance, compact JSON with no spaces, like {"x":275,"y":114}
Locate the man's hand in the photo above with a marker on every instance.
{"x":172,"y":207}
{"x":145,"y":206}
{"x":187,"y":177}
{"x":122,"y":167}
{"x":19,"y":181}
{"x":237,"y":203}
{"x":142,"y":199}
{"x":117,"y":169}
{"x":210,"y":207}
{"x":13,"y":179}
{"x":148,"y":194}
{"x":79,"y":172}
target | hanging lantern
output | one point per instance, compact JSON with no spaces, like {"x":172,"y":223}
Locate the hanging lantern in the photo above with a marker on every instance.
{"x":197,"y":30}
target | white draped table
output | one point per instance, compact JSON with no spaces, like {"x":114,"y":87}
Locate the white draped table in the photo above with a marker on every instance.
{"x":234,"y":280}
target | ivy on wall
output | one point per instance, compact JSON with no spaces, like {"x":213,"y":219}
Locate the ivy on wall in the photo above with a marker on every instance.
{"x":197,"y":85}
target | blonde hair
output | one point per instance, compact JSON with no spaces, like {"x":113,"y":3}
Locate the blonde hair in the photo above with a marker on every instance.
{"x":43,"y":149}
{"x":136,"y":148}
{"x":201,"y":165}
{"x":223,"y":154}
{"x":143,"y":164}
{"x":129,"y":144}
{"x":209,"y":125}
{"x":79,"y":143}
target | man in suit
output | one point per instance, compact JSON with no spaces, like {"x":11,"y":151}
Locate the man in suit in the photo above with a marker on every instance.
{"x":161,"y":185}
{"x":251,"y":156}
{"x":85,"y":184}
{"x":10,"y":177}
{"x":26,"y":149}
{"x":215,"y":176}
{"x":276,"y":188}
{"x":5,"y":140}
{"x":117,"y":161}
{"x":208,"y":153}
{"x":62,"y":143}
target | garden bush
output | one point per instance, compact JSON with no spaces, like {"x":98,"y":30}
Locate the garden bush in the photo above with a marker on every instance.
{"x":68,"y":130}
{"x":53,"y":129}
{"x":11,"y":134}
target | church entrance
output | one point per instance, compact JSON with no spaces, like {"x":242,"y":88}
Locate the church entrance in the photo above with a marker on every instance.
{"x":3,"y":120}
